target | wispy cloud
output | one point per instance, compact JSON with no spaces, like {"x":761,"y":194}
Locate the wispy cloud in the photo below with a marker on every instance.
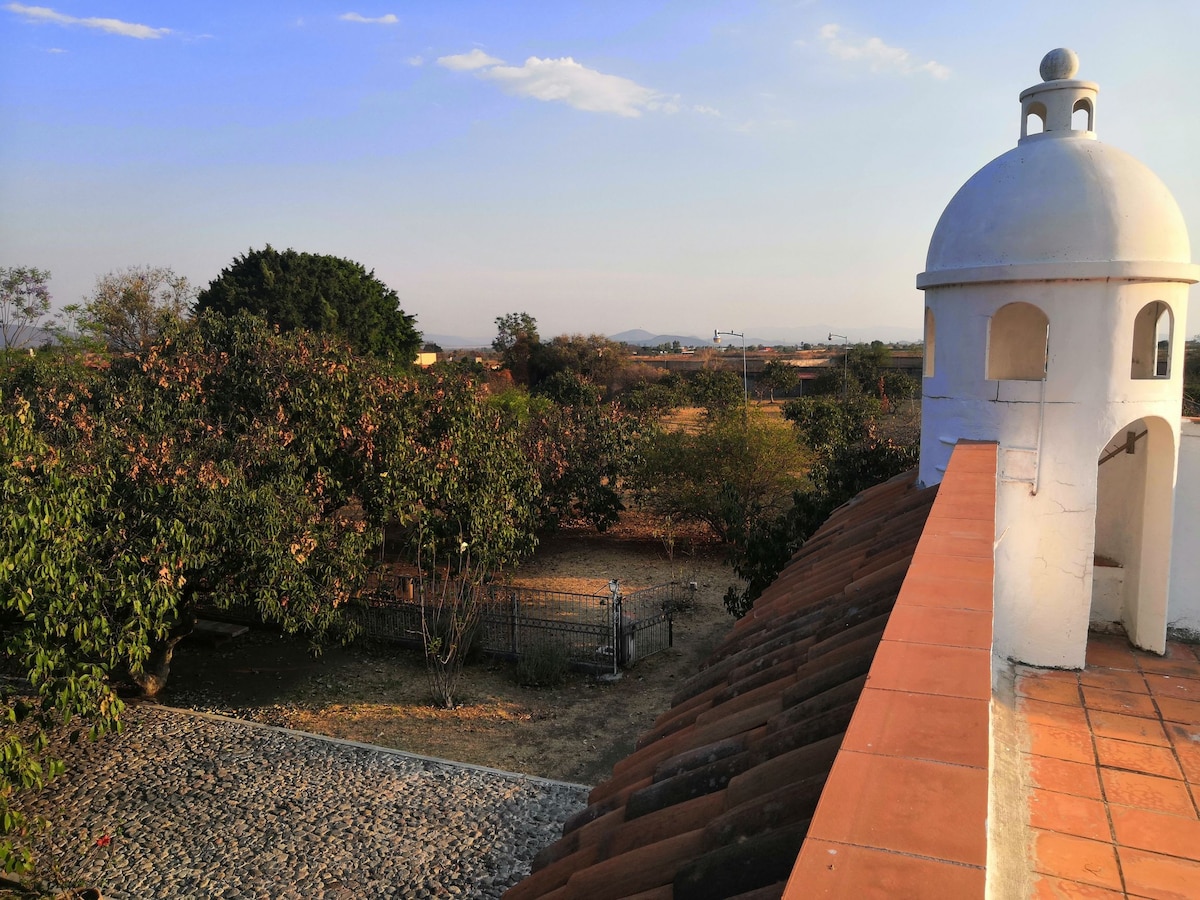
{"x":416,"y":60}
{"x":465,"y":62}
{"x":877,"y":55}
{"x":565,"y":81}
{"x":389,"y":19}
{"x":111,"y":26}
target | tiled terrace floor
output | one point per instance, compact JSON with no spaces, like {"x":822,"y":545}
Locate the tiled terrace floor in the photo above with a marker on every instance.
{"x":1114,"y":766}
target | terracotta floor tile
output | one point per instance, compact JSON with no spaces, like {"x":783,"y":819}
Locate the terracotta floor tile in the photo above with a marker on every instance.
{"x":930,"y":669}
{"x":1076,"y":859}
{"x":1022,"y":671}
{"x":1110,"y":652}
{"x":1144,"y":758}
{"x":1067,"y":814}
{"x":1158,"y":876}
{"x":1126,"y":702}
{"x":920,"y":726}
{"x":1057,"y":715}
{"x":1173,"y":686}
{"x":826,"y":869}
{"x":1145,"y":830}
{"x":1185,"y":711}
{"x":1049,"y":690}
{"x":1065,"y":777}
{"x":909,"y":806}
{"x":1114,"y":680}
{"x":933,"y":625}
{"x":1061,"y":743}
{"x":1147,"y":792}
{"x":1048,"y":888}
{"x":1185,"y":668}
{"x":1186,"y":740}
{"x":1128,"y":728}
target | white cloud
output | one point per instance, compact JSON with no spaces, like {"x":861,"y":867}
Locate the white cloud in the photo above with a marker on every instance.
{"x":466,"y":62}
{"x":416,"y":60}
{"x":56,"y":50}
{"x":706,"y":110}
{"x":578,"y":86}
{"x":389,"y":19}
{"x":111,"y":26}
{"x":565,"y":81}
{"x":880,"y":57}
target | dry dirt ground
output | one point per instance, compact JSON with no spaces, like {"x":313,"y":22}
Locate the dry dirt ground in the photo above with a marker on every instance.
{"x":380,"y":695}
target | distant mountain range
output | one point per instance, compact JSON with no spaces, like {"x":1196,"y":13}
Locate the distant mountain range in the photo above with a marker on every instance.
{"x":639,"y":337}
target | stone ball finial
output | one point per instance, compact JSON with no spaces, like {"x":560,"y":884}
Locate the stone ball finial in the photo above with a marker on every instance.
{"x":1059,"y":64}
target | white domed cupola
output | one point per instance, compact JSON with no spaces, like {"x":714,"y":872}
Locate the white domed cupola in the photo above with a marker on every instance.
{"x":1059,"y":199}
{"x":1056,"y":288}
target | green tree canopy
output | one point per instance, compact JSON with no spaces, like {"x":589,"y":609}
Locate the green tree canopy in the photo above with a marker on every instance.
{"x":321,"y":293}
{"x":130,"y":309}
{"x":517,"y":341}
{"x":777,"y":375}
{"x":737,"y":467}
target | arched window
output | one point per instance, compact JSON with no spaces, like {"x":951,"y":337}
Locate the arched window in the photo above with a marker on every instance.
{"x":1152,"y":341}
{"x":1034,"y":120}
{"x":1017,"y":340}
{"x":1081,"y":115}
{"x":930,"y":342}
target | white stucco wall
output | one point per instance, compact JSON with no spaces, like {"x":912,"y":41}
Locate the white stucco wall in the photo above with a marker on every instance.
{"x":1046,"y":538}
{"x":1183,"y":612}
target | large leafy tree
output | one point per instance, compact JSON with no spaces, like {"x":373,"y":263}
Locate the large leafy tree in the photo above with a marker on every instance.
{"x":321,"y":293}
{"x":130,"y":309}
{"x":281,"y":457}
{"x":517,"y":342}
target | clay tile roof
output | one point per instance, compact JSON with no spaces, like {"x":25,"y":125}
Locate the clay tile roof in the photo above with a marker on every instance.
{"x":716,"y":799}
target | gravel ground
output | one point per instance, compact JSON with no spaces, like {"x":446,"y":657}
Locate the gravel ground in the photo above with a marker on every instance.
{"x":205,"y":807}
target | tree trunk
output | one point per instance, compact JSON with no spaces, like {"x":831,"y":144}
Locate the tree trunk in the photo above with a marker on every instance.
{"x":153,"y":677}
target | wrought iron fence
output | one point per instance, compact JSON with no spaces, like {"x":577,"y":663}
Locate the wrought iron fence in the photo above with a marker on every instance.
{"x":598,"y":631}
{"x":604,"y":631}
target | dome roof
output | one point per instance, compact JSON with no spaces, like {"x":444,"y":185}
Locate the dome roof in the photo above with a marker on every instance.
{"x":1060,"y":205}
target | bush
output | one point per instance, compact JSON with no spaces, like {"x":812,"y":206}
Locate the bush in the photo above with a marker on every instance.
{"x":543,"y":664}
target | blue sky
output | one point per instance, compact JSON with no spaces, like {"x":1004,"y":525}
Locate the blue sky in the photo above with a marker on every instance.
{"x":674,"y":166}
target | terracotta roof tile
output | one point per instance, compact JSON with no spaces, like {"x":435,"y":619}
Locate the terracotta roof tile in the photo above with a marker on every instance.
{"x":747,"y":863}
{"x":649,"y":866}
{"x":666,"y":822}
{"x":800,"y":764}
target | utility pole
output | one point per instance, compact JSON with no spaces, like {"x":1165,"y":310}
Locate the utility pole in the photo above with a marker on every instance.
{"x":745,"y":380}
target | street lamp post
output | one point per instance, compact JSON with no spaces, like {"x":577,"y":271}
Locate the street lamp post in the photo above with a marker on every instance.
{"x":846,"y":358}
{"x":745,"y":381}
